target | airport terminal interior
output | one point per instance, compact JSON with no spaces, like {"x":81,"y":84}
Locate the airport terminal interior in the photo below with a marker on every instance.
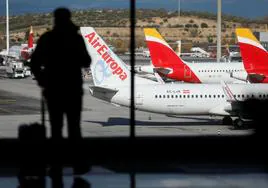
{"x":170,"y":99}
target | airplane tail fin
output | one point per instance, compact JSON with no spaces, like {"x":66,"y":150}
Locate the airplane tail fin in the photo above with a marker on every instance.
{"x":107,"y":69}
{"x":254,"y":55}
{"x":162,"y":54}
{"x":26,"y":52}
{"x":165,"y":58}
{"x":30,"y":38}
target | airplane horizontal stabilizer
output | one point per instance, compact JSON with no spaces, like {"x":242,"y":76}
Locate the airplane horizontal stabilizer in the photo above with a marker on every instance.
{"x":101,"y":89}
{"x":162,"y":70}
{"x":256,"y":78}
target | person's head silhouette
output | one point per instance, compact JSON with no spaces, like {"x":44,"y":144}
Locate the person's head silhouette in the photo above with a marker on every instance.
{"x":62,"y":17}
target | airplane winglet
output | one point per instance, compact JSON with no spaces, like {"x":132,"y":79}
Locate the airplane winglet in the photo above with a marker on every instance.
{"x":227,"y":92}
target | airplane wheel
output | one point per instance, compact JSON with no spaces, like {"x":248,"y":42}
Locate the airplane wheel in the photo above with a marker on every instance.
{"x":227,"y":120}
{"x":238,"y":124}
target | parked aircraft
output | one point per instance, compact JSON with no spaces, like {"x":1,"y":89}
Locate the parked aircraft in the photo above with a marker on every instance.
{"x":168,"y":64}
{"x":20,"y":52}
{"x":254,"y":56}
{"x":27,"y":50}
{"x":112,"y":79}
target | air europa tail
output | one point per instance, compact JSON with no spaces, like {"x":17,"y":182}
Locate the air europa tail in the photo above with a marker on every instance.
{"x":254,"y":55}
{"x":164,"y":57}
{"x":106,"y":67}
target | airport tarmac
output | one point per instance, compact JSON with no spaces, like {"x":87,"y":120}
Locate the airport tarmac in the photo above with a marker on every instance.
{"x":20,"y":103}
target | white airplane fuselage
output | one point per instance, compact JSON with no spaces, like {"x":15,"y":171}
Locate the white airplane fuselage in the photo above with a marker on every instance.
{"x":215,"y":72}
{"x":211,"y":72}
{"x":112,"y":78}
{"x":185,"y":99}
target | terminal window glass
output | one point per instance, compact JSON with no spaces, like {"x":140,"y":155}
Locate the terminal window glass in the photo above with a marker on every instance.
{"x":113,"y":27}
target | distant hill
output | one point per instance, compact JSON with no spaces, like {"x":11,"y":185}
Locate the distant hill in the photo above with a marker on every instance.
{"x":113,"y":25}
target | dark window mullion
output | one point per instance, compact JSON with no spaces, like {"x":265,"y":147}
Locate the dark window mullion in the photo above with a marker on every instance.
{"x":132,"y":64}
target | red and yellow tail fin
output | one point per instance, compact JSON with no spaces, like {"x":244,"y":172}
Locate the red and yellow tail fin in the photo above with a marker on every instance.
{"x":30,"y":38}
{"x":164,"y":57}
{"x":254,"y":55}
{"x":162,"y":54}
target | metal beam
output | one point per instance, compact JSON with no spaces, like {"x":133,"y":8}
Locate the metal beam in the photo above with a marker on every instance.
{"x":7,"y":26}
{"x":219,"y":31}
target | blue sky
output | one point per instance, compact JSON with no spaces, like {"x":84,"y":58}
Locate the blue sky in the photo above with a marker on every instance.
{"x":244,"y":8}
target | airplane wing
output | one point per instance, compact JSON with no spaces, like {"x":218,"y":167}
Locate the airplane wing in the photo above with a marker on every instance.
{"x":227,"y":92}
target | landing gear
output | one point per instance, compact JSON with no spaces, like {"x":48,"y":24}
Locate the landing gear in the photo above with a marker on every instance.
{"x":227,"y":120}
{"x":238,"y":123}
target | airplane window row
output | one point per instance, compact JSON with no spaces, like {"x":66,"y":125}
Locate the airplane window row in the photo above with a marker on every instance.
{"x":252,"y":96}
{"x":189,"y":96}
{"x":219,"y":70}
{"x":208,"y":96}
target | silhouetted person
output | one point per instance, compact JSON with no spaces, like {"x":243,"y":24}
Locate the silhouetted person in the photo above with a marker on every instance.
{"x":256,"y":110}
{"x":57,"y":63}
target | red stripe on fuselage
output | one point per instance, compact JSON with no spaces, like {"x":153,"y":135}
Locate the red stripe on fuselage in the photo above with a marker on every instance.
{"x":162,"y":56}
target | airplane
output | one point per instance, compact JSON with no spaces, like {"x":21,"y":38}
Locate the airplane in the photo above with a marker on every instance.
{"x":111,"y":83}
{"x":22,"y":52}
{"x":168,"y":64}
{"x":254,"y":56}
{"x":26,"y":51}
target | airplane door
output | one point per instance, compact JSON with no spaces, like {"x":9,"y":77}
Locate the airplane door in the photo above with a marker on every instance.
{"x":139,"y":98}
{"x":187,"y":72}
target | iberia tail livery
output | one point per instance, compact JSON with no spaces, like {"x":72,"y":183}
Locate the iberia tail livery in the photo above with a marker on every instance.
{"x":30,"y":39}
{"x":26,"y":52}
{"x":254,"y":56}
{"x":168,"y":64}
{"x":163,"y":57}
